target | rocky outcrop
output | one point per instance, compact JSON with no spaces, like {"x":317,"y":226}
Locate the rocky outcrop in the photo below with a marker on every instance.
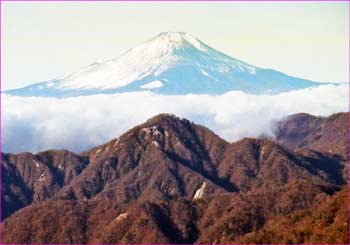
{"x":168,"y":181}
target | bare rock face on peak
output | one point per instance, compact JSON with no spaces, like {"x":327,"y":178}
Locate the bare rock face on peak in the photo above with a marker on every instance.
{"x":169,"y":180}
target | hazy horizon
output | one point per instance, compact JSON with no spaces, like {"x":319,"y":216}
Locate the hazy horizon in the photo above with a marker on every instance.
{"x":44,"y":40}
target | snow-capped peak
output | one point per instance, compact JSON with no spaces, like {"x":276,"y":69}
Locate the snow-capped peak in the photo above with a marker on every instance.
{"x":176,"y":40}
{"x":169,"y":63}
{"x":150,"y":58}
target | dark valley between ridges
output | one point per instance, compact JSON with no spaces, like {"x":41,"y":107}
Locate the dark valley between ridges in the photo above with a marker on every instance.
{"x":169,"y":180}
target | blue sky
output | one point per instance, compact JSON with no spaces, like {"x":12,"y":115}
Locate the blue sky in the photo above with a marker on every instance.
{"x":41,"y":41}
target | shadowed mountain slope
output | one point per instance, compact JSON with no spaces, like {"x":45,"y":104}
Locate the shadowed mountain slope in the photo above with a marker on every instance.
{"x":170,"y":181}
{"x":325,"y":134}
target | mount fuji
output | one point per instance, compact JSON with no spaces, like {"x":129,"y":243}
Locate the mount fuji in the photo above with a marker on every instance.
{"x":170,"y":63}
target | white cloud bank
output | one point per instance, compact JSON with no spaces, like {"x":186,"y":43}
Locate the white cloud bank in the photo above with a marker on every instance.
{"x":35,"y":124}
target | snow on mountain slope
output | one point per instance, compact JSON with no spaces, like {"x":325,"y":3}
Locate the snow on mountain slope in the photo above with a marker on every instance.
{"x":151,"y":85}
{"x":170,"y":63}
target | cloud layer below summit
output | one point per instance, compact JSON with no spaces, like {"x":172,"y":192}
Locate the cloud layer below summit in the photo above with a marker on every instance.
{"x":35,"y":124}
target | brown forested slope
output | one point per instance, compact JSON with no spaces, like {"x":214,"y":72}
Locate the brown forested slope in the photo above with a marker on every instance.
{"x":171,"y":181}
